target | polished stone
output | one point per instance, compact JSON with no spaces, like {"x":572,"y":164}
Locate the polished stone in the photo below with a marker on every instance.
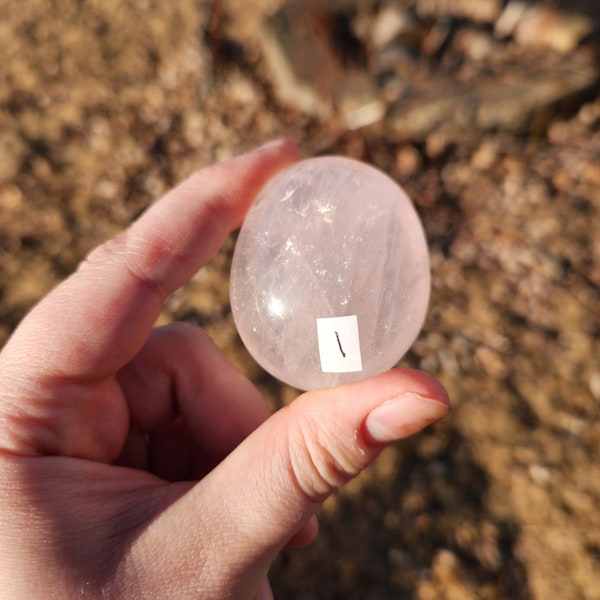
{"x":330,"y":276}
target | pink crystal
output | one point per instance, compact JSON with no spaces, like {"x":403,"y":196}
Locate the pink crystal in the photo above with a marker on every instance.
{"x":330,"y":277}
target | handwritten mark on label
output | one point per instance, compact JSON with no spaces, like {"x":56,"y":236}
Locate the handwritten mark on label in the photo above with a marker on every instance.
{"x":339,"y":344}
{"x":337,"y":337}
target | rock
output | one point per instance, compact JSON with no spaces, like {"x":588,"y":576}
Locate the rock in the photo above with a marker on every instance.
{"x":594,"y":385}
{"x":359,"y":101}
{"x":330,"y":275}
{"x":313,"y":60}
{"x":479,"y":11}
{"x":13,"y":150}
{"x":295,"y":58}
{"x":512,"y":104}
{"x":544,"y":25}
{"x":493,"y":364}
{"x":408,"y":161}
{"x":509,"y":103}
{"x":389,"y":23}
{"x":509,"y":19}
{"x":474,"y":44}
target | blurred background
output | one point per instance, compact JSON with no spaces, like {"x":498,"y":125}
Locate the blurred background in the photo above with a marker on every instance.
{"x":488,"y":113}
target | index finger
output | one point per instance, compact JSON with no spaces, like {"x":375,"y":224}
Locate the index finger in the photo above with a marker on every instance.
{"x":97,"y":320}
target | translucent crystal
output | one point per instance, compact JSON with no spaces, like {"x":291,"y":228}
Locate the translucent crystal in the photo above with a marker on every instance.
{"x":330,"y":277}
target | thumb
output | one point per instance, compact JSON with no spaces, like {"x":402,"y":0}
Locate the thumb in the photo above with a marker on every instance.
{"x":275,"y":481}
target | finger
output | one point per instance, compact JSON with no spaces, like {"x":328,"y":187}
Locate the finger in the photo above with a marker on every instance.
{"x":96,"y":321}
{"x":181,"y":375}
{"x":275,"y":481}
{"x":306,"y":535}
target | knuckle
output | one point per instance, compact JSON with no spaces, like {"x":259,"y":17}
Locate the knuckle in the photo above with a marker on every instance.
{"x":108,"y":251}
{"x":132,"y":256}
{"x":322,"y":460}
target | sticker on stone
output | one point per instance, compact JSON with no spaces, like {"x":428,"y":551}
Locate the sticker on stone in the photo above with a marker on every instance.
{"x":339,"y":344}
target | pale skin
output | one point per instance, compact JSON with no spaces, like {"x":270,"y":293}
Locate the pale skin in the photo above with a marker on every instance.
{"x":138,"y":462}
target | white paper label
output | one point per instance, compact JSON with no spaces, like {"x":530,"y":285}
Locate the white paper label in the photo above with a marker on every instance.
{"x":339,"y":346}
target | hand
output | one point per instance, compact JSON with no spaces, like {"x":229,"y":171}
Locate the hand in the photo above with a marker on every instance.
{"x":138,"y":463}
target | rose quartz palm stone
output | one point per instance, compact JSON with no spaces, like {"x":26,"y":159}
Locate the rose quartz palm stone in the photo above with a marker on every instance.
{"x":330,"y":276}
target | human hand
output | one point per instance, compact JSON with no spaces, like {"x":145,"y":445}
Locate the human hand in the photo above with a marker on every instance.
{"x":137,"y":462}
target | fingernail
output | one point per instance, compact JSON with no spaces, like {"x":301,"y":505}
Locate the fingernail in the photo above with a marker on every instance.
{"x":402,"y":416}
{"x":272,"y":144}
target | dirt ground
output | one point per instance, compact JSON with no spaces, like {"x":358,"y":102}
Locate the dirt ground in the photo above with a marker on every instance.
{"x":488,"y":113}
